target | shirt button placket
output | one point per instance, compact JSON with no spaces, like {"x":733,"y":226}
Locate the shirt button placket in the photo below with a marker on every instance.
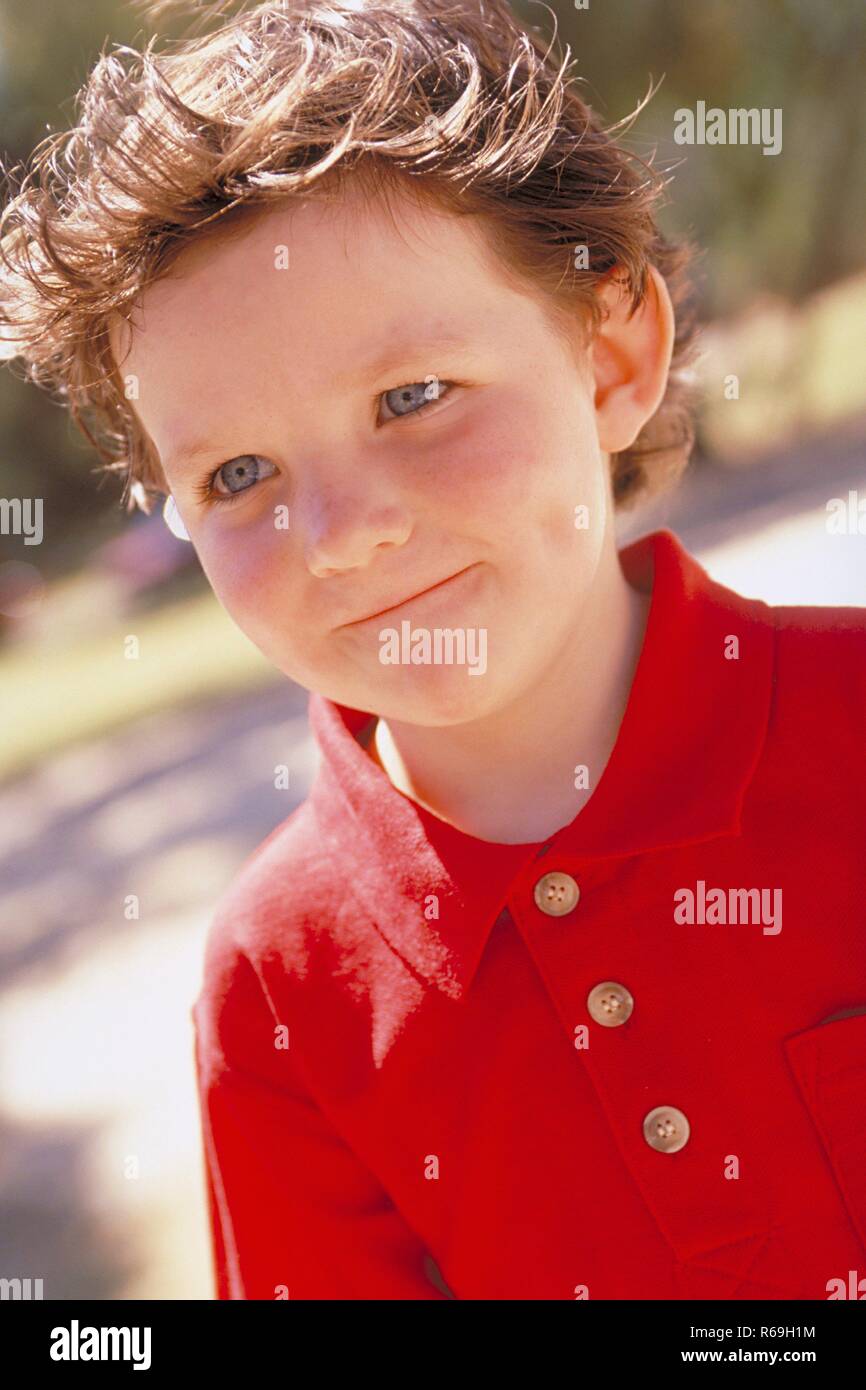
{"x":665,"y":1128}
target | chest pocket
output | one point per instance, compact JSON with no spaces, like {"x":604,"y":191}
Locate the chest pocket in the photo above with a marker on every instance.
{"x":829,"y":1064}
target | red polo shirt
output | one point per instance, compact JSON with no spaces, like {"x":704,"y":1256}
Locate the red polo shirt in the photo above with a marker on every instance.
{"x":598,"y":1066}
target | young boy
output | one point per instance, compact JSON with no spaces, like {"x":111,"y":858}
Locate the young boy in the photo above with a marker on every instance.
{"x":554,"y":987}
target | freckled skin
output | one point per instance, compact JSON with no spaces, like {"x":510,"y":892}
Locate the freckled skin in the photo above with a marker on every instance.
{"x":274,"y":362}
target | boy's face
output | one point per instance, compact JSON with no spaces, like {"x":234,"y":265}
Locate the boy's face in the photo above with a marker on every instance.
{"x":296,"y":352}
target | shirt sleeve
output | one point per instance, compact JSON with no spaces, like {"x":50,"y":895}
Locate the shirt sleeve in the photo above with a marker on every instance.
{"x":293,"y":1212}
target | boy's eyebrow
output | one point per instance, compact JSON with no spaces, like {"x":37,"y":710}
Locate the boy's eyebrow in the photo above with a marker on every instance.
{"x":183,"y":454}
{"x":408,"y":347}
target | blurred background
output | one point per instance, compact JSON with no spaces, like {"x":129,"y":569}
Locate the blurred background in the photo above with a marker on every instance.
{"x":131,"y":791}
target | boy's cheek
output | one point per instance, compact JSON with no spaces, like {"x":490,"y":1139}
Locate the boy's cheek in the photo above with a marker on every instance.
{"x":254,"y":585}
{"x":269,"y":620}
{"x":524,"y":447}
{"x":479,"y":479}
{"x":251,"y":580}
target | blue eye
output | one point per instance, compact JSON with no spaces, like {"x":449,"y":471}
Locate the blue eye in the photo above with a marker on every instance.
{"x":239,"y":474}
{"x":412,"y":399}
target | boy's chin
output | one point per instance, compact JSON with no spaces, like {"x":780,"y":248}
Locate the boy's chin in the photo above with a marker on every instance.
{"x":432,"y":696}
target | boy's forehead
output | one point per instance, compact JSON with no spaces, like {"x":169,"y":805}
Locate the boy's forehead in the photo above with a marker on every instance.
{"x":324,"y":266}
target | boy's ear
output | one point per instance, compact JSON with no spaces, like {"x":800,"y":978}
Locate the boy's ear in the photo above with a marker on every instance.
{"x":630,"y":360}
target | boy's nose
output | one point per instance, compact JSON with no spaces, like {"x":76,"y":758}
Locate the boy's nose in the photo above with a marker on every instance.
{"x":342,"y":532}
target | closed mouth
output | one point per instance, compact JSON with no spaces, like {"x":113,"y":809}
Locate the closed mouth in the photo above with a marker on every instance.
{"x":392,"y":608}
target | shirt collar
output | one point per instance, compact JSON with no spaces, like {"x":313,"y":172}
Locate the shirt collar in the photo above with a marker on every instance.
{"x":689,"y":743}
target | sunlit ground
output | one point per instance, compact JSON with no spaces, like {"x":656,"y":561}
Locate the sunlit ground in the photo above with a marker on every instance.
{"x":793,"y":560}
{"x":100,"y":1179}
{"x":101,"y":1187}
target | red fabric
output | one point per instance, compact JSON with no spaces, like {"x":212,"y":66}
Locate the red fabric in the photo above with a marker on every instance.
{"x":431,"y":1118}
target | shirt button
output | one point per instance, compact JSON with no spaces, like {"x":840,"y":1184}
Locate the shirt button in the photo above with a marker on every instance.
{"x":556,"y":894}
{"x":610,"y":1004}
{"x":666,"y":1129}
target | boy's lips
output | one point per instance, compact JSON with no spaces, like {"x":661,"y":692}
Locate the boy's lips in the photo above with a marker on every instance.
{"x":420,"y":593}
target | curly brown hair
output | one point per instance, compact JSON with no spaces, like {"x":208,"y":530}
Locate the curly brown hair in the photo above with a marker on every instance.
{"x":456,"y":100}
